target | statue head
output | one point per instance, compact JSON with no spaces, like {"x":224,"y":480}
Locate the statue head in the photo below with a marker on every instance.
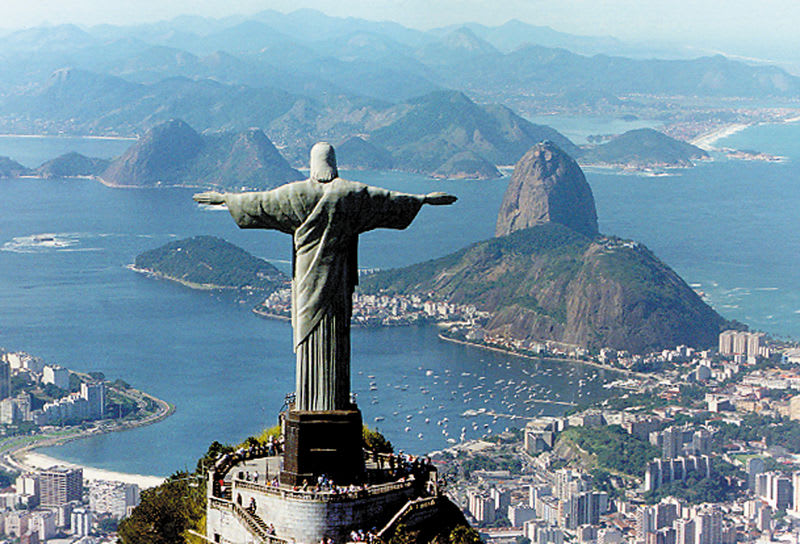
{"x":323,"y":162}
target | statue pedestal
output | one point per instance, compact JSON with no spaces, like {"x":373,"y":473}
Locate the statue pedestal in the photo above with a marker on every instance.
{"x":322,"y":442}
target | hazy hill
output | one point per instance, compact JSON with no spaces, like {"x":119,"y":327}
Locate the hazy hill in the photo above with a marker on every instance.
{"x":71,"y":165}
{"x":642,"y":148}
{"x":466,"y":165}
{"x":549,"y":282}
{"x":172,"y":153}
{"x":84,"y":102}
{"x":424,"y":133}
{"x":9,"y":168}
{"x":356,"y":153}
{"x":454,"y":47}
{"x":557,"y":70}
{"x":515,"y":33}
{"x":208,"y":262}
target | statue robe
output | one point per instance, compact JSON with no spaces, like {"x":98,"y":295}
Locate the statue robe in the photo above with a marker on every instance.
{"x":325,"y":219}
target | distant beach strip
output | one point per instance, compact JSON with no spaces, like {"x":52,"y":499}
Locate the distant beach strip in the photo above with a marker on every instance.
{"x":40,"y":461}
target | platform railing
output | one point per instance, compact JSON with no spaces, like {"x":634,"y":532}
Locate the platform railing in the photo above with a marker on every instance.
{"x":324,"y":495}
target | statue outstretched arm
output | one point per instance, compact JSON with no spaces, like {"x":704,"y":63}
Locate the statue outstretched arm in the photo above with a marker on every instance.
{"x":209,"y":197}
{"x":257,"y":210}
{"x":439,"y":199}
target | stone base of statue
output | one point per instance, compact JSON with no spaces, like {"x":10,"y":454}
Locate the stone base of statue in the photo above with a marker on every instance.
{"x":319,"y":443}
{"x":248,"y":503}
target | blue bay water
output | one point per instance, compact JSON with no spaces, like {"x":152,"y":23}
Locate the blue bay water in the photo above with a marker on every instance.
{"x":729,"y":226}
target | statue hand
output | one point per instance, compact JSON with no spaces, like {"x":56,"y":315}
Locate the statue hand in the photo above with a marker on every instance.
{"x":439,"y":199}
{"x":209,"y":197}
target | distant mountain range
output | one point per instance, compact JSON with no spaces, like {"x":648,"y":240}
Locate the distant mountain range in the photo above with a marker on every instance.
{"x":306,"y":73}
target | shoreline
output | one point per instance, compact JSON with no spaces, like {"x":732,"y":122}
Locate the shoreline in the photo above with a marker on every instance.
{"x":189,"y":284}
{"x":706,"y":141}
{"x":41,"y":461}
{"x":20,"y":452}
{"x":544,"y":358}
{"x":268,"y":315}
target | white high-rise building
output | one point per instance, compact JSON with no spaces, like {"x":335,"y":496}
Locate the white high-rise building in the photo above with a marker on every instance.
{"x":81,"y":522}
{"x":95,"y":395}
{"x":57,"y":375}
{"x":114,"y":498}
{"x":707,"y":525}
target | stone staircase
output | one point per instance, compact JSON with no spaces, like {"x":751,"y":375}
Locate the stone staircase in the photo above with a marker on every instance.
{"x":256,"y":525}
{"x":253,"y":523}
{"x":410,"y":510}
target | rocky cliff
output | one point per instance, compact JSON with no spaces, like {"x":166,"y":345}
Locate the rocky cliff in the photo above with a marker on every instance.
{"x":547,"y":186}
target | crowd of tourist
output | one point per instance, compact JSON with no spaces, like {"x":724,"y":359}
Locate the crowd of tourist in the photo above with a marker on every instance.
{"x":363,"y":536}
{"x":386,"y":468}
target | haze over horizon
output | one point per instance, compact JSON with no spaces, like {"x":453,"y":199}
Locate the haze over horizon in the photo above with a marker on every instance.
{"x":709,"y":26}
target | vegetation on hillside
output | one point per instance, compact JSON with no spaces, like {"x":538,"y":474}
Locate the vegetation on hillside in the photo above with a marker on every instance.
{"x":781,"y":432}
{"x":71,"y":165}
{"x":718,"y":487}
{"x":550,"y":282}
{"x":212,"y":262}
{"x":614,"y":449}
{"x":9,"y":168}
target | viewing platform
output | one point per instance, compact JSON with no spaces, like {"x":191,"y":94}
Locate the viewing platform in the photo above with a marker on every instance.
{"x":248,"y":503}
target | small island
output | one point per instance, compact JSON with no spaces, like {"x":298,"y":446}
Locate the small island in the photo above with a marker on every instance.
{"x":210,"y":263}
{"x":642,"y":150}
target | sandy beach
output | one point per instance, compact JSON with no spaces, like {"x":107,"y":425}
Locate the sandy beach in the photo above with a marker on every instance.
{"x":706,"y":141}
{"x":41,"y":461}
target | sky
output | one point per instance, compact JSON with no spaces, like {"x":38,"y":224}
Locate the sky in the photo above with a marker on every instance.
{"x":757,"y":25}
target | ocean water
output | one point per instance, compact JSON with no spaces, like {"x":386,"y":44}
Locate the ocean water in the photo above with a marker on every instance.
{"x":34,"y":150}
{"x":728,"y":227}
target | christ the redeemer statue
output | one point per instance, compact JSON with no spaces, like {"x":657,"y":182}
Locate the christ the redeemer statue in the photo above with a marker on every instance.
{"x":324,"y":214}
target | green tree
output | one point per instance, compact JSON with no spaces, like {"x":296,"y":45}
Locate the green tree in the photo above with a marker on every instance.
{"x":464,"y":534}
{"x":375,"y":441}
{"x":166,"y":512}
{"x":404,"y":535}
{"x":108,"y":525}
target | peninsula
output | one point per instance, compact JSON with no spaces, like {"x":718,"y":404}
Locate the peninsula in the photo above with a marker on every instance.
{"x":548,"y":276}
{"x":53,"y":405}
